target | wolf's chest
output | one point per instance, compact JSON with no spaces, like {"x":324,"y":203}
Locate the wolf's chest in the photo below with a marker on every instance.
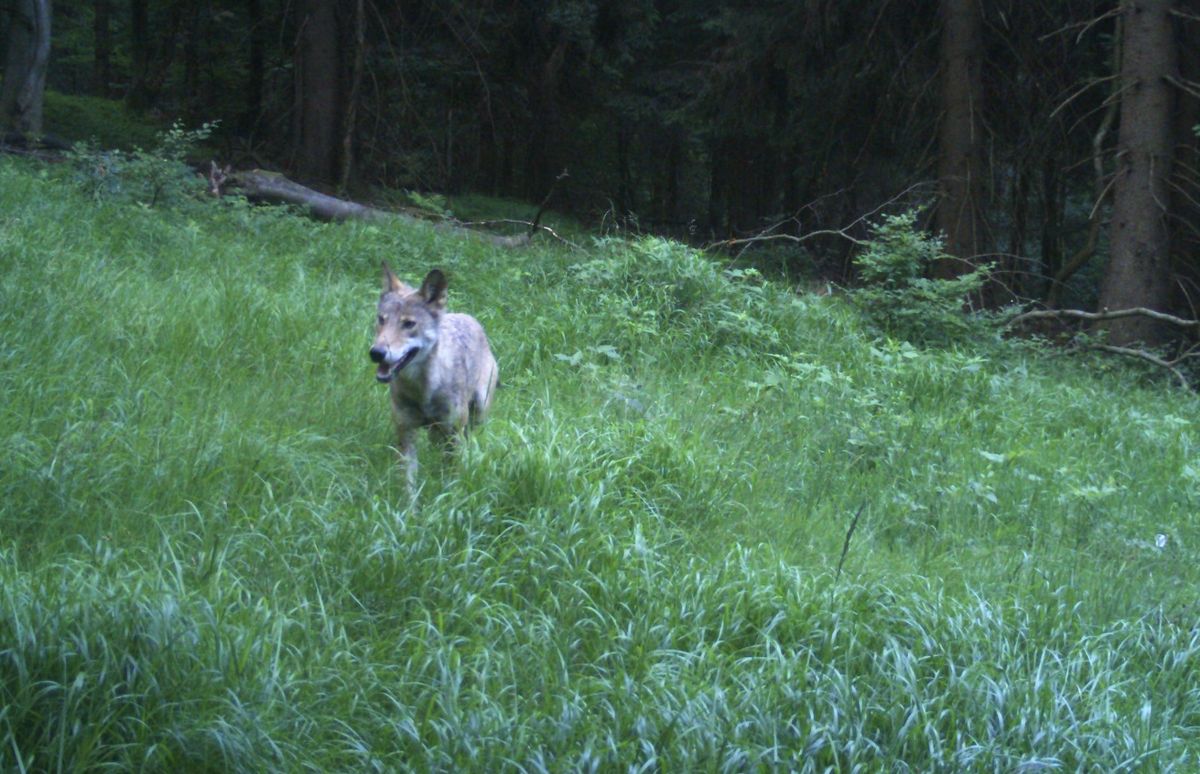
{"x":419,"y":404}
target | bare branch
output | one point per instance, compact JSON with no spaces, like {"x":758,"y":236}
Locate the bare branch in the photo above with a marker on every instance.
{"x":1078,"y":314}
{"x":1085,"y":26}
{"x":532,"y":226}
{"x":766,"y":236}
{"x":537,"y":218}
{"x":1141,"y":354}
{"x":1182,"y":14}
{"x":1083,"y":89}
{"x":1184,"y":85}
{"x":846,"y":544}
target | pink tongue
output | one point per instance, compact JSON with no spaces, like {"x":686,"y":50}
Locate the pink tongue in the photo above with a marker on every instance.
{"x":383,"y":370}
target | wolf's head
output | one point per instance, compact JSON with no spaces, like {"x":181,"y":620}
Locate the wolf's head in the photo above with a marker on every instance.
{"x":406,"y":328}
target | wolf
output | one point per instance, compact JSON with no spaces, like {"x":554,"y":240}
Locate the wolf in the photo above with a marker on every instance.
{"x":438,"y":365}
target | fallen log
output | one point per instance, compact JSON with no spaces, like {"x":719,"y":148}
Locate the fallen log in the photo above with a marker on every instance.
{"x":1170,"y":364}
{"x":260,"y":185}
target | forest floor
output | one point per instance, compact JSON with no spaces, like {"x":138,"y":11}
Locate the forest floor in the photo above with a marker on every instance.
{"x":642,"y":561}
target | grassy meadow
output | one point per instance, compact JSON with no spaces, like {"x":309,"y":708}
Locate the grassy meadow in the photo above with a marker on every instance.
{"x":207,"y":561}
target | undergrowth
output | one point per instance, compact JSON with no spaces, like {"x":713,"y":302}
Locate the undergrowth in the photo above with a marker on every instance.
{"x":207,"y":561}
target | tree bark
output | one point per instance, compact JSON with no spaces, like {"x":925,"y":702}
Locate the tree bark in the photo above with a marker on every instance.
{"x":351,"y":112}
{"x":1138,"y":273}
{"x":543,"y":137}
{"x":139,"y":46}
{"x":1185,"y":207}
{"x":256,"y":58}
{"x":960,"y":212}
{"x":271,"y":187}
{"x":194,"y":33}
{"x":318,"y":92}
{"x":101,"y":47}
{"x":28,"y":54}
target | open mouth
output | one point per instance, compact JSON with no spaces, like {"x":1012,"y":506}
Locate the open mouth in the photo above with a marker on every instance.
{"x":386,"y":370}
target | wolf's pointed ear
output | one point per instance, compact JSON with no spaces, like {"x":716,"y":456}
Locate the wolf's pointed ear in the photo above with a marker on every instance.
{"x":391,"y":284}
{"x":433,"y":289}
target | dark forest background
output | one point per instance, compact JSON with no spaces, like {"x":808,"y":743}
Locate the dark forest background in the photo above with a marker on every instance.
{"x":1055,"y":139}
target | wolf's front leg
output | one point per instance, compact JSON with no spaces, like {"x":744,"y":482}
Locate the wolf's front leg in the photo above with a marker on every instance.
{"x":447,"y":434}
{"x":406,"y":446}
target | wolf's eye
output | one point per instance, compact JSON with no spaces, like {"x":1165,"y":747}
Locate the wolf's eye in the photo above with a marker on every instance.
{"x":380,"y":320}
{"x":409,"y":324}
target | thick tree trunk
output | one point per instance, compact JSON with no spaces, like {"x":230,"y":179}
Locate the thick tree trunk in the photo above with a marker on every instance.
{"x":318,"y":91}
{"x":960,"y":212}
{"x":626,"y":200}
{"x":1185,"y":207}
{"x":139,"y":46}
{"x":25,"y":65}
{"x":194,"y":33}
{"x":1138,"y":273}
{"x":101,"y":47}
{"x":539,"y":173}
{"x":351,"y":111}
{"x":256,"y":56}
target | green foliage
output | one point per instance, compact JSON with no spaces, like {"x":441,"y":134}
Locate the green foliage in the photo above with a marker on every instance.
{"x":159,"y":176}
{"x":899,"y":297}
{"x":207,"y":560}
{"x":434,"y":204}
{"x":650,"y":293}
{"x":104,"y":123}
{"x":106,"y":666}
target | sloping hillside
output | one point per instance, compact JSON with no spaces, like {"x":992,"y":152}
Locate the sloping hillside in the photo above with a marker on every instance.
{"x":207,"y":562}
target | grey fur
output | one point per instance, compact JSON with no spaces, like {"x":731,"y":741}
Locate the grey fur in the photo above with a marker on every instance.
{"x":439,"y":366}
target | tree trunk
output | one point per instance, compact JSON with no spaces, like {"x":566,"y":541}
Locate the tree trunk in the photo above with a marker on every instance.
{"x":25,"y":65}
{"x":101,"y":47}
{"x":1138,"y":273}
{"x":318,"y":91}
{"x":254,"y":75}
{"x":670,"y":199}
{"x":626,"y":200}
{"x":1185,"y":208}
{"x":351,"y":111}
{"x":139,"y":46}
{"x":543,"y":137}
{"x":960,"y":139}
{"x":194,"y":32}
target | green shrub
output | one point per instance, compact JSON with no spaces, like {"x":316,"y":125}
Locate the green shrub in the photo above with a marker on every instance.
{"x":158,"y":176}
{"x":656,"y":290}
{"x":900,"y":299}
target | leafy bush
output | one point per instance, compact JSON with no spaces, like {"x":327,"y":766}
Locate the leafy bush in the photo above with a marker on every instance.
{"x":897,"y":296}
{"x":434,"y":204}
{"x":655,"y":288}
{"x":159,"y":176}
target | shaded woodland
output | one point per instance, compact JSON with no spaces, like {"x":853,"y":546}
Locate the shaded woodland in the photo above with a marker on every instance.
{"x":1056,"y":140}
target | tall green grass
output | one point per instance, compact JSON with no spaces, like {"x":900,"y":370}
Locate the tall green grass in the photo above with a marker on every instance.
{"x":207,"y":560}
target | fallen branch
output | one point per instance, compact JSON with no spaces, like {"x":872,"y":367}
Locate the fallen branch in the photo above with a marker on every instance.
{"x":1138,"y":354}
{"x":1077,"y":314}
{"x":846,"y":545}
{"x":45,"y":142}
{"x":1141,"y":354}
{"x":272,"y":187}
{"x":532,"y":226}
{"x":43,"y":147}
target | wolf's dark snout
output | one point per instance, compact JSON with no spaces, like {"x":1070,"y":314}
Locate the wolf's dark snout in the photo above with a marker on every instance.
{"x":377,"y":354}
